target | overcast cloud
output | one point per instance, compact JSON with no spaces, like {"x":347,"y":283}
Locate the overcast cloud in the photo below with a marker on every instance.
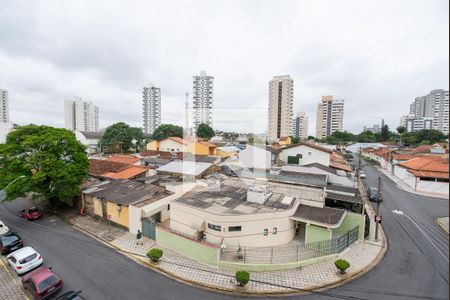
{"x":377,"y":55}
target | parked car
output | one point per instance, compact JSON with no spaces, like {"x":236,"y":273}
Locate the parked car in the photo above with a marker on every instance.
{"x":42,"y":283}
{"x":31,"y":213}
{"x":3,"y":228}
{"x":372,"y":193}
{"x":10,"y":243}
{"x":362,"y":175}
{"x":71,"y":295}
{"x":25,"y":259}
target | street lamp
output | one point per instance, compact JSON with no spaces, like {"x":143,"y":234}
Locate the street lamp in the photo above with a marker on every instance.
{"x":3,"y":192}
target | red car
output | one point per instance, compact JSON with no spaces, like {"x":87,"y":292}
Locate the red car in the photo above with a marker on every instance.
{"x":42,"y":283}
{"x":31,"y":213}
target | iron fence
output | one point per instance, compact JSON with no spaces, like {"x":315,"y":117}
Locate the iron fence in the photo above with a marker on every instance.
{"x":291,"y":253}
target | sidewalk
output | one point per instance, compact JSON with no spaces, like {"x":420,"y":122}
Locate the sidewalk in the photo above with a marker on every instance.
{"x":362,"y":255}
{"x":10,"y":289}
{"x":443,"y":223}
{"x":400,"y":184}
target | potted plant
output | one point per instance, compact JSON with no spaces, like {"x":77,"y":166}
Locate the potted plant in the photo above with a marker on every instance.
{"x":242,"y":277}
{"x":155,"y":254}
{"x":342,"y":265}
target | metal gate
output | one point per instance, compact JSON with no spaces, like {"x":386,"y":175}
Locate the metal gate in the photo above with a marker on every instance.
{"x":149,"y":229}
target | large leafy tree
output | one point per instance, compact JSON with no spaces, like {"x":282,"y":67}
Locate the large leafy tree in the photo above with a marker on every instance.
{"x":166,"y":130}
{"x":119,"y":138}
{"x":205,"y":131}
{"x":385,"y":134}
{"x":47,"y":161}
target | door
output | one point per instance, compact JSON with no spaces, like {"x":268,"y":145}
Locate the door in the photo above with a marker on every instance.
{"x":149,"y":229}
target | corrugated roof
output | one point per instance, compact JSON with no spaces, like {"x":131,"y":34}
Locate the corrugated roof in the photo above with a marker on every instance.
{"x":340,"y":166}
{"x":158,"y":154}
{"x":185,"y":167}
{"x":100,"y":166}
{"x":345,"y":198}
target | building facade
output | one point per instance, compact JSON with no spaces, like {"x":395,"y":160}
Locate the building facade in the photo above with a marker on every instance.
{"x":300,"y":126}
{"x":151,"y":105}
{"x":281,"y":98}
{"x":413,"y":124}
{"x":434,"y":105}
{"x":4,"y":106}
{"x":203,"y":96}
{"x":81,"y":115}
{"x":330,"y":116}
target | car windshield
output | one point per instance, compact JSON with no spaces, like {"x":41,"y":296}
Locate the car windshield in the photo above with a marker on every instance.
{"x":28,"y":258}
{"x":33,"y":209}
{"x":9,"y":239}
{"x":47,"y":283}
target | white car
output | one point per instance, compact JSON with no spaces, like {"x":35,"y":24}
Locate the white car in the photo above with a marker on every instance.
{"x":3,"y":228}
{"x":362,"y":175}
{"x":24,"y":260}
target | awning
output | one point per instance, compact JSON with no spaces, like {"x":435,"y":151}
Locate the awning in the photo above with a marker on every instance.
{"x":321,"y":216}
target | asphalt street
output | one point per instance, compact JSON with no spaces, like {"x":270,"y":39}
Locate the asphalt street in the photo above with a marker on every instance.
{"x":415,"y":267}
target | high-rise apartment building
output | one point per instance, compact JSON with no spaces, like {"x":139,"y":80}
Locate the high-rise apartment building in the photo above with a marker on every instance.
{"x":81,"y":115}
{"x":4,"y":106}
{"x":300,"y":126}
{"x":203,"y":86}
{"x":434,"y":105}
{"x":281,"y":98}
{"x":151,"y":104}
{"x":330,"y":116}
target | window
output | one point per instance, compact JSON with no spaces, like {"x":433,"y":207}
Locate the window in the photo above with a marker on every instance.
{"x":168,"y":206}
{"x":293,"y":160}
{"x":274,"y":230}
{"x":234,"y":228}
{"x":266,"y":231}
{"x":214,"y":227}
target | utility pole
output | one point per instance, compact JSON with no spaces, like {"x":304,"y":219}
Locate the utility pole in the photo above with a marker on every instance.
{"x":378,"y":209}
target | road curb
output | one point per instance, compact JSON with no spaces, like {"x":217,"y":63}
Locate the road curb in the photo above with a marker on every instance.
{"x":13,"y":278}
{"x":438,"y":223}
{"x":173,"y":276}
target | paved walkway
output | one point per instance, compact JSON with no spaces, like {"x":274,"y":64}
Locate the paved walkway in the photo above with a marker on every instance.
{"x":361,"y":255}
{"x":10,"y":289}
{"x":407,"y":188}
{"x":443,"y":223}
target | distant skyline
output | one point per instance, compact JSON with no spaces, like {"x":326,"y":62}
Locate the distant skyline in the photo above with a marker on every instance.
{"x":377,"y":55}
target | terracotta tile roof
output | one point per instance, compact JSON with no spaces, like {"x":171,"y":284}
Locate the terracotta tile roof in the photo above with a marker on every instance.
{"x":156,"y":153}
{"x":339,"y":166}
{"x":426,"y":164}
{"x":311,"y":145}
{"x":207,"y":144}
{"x":422,"y":149}
{"x":100,"y":166}
{"x":126,"y":159}
{"x":429,"y":174}
{"x":178,"y":140}
{"x":127,"y":173}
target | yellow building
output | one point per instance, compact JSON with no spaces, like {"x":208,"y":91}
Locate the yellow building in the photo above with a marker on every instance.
{"x":202,"y":148}
{"x":227,"y":151}
{"x":285,"y":140}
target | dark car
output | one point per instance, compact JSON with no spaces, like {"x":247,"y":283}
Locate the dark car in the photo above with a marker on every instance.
{"x":31,"y":213}
{"x":71,"y":295}
{"x":10,"y":242}
{"x":372,"y":193}
{"x":42,"y":283}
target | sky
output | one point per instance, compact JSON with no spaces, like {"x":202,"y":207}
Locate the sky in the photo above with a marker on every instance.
{"x":376,"y":55}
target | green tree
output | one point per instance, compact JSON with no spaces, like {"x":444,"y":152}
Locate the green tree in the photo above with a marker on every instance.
{"x":295,"y":140}
{"x":119,"y":136}
{"x":52,"y":162}
{"x":205,"y":131}
{"x":311,"y":138}
{"x":366,"y":137}
{"x":332,"y":140}
{"x":166,"y":130}
{"x":385,"y":134}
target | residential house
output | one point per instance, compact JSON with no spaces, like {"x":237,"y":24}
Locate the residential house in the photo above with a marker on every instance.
{"x":126,"y":159}
{"x":202,"y":148}
{"x":187,"y":169}
{"x":305,"y":153}
{"x":102,"y":168}
{"x":227,"y":151}
{"x":110,"y":199}
{"x":258,"y":156}
{"x":170,"y":144}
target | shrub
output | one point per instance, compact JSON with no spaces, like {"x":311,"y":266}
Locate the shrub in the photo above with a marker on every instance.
{"x":242,"y":277}
{"x":342,"y":265}
{"x":155,"y":254}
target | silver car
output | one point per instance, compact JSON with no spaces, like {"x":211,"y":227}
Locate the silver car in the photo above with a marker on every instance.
{"x":25,"y":259}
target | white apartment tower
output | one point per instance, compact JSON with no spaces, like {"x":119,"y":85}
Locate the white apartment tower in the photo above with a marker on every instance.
{"x":281,"y":98}
{"x":330,"y":116}
{"x":300,"y":126}
{"x":4,"y":106}
{"x":151,"y":104}
{"x":81,"y":115}
{"x":434,"y":105}
{"x":203,"y":86}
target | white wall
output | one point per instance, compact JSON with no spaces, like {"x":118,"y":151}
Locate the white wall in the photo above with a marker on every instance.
{"x":255,"y":157}
{"x":170,"y":145}
{"x":309,"y":155}
{"x":5,"y":128}
{"x":422,"y":185}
